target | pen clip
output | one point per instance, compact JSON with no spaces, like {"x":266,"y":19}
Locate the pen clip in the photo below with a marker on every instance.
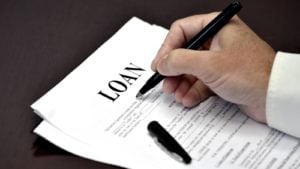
{"x":168,"y":143}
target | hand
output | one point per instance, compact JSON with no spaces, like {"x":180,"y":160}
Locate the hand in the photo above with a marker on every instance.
{"x":235,"y":65}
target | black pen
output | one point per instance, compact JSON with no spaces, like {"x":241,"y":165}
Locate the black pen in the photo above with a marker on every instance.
{"x":168,"y":142}
{"x":208,"y":31}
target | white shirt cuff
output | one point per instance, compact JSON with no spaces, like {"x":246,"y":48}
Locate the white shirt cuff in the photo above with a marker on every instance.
{"x":283,"y":97}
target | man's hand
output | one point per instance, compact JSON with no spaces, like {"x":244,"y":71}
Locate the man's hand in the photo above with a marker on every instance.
{"x":235,"y":65}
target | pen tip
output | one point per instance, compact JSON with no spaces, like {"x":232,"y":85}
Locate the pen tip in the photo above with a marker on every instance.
{"x":139,"y":95}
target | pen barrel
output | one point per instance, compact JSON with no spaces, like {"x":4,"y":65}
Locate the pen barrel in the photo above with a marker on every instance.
{"x":152,"y":82}
{"x":214,"y":26}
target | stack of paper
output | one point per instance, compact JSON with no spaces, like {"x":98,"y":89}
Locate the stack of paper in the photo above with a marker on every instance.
{"x":94,"y":114}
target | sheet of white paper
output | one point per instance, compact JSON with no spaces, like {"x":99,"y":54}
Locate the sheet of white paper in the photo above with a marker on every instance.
{"x":139,"y":31}
{"x":106,"y":154}
{"x":96,"y":106}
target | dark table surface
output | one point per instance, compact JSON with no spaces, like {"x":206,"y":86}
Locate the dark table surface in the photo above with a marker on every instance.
{"x":42,"y":41}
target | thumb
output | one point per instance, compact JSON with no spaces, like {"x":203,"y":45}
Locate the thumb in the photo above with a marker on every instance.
{"x":202,"y":64}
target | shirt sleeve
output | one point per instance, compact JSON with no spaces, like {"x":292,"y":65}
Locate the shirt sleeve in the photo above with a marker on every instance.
{"x":283,"y":97}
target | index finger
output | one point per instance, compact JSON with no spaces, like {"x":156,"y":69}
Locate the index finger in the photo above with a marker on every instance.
{"x":180,"y":32}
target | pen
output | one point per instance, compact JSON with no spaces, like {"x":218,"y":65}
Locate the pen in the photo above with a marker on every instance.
{"x":168,"y":142}
{"x":208,"y":31}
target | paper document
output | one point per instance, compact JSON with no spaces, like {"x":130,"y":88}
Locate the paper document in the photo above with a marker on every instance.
{"x":93,"y":113}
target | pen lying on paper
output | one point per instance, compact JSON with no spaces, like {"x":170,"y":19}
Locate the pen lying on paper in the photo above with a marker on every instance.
{"x":208,"y":31}
{"x":168,"y":142}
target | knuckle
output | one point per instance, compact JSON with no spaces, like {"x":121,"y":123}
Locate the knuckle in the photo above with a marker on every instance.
{"x":176,"y":23}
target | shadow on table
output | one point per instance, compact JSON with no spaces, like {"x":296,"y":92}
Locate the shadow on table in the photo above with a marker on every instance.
{"x":43,"y":147}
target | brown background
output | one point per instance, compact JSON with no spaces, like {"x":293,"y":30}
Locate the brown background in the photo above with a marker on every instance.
{"x":41,"y":41}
